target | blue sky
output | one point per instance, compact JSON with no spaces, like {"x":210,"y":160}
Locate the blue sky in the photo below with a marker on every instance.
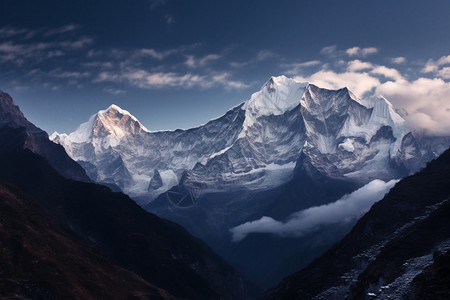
{"x":177,"y":63}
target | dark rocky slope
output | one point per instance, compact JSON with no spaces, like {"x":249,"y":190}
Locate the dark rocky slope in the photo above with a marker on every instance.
{"x":399,"y":249}
{"x":40,"y":259}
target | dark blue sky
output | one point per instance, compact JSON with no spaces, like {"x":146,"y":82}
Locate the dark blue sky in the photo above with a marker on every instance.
{"x":178,"y":63}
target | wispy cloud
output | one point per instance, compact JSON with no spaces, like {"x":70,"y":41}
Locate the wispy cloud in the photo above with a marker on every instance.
{"x":349,"y":207}
{"x":169,"y":19}
{"x":154,"y":4}
{"x":151,"y":80}
{"x":265,"y":54}
{"x":61,"y":30}
{"x":260,"y":56}
{"x":114,"y":91}
{"x":328,"y":50}
{"x":433,"y":65}
{"x":7,"y":32}
{"x":19,"y":52}
{"x":389,"y":73}
{"x":357,"y":65}
{"x":160,"y":55}
{"x":65,"y":56}
{"x":444,"y":73}
{"x":193,"y":62}
{"x":398,"y":60}
{"x":357,"y":51}
{"x":296,"y":68}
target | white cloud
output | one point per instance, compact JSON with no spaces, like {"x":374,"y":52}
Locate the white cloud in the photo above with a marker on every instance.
{"x":427,"y":102}
{"x":359,"y":83}
{"x":368,"y":51}
{"x":434,"y":65}
{"x":347,"y":208}
{"x":387,"y":72}
{"x":353,"y":51}
{"x":398,"y":60}
{"x":357,"y":51}
{"x":444,"y":73}
{"x":357,"y":65}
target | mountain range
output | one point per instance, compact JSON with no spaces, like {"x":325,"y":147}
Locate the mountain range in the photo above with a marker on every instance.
{"x":254,"y":146}
{"x":291,"y":146}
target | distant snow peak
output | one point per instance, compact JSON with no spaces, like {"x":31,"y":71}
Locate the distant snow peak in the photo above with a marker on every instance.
{"x":118,"y":122}
{"x":111,"y":122}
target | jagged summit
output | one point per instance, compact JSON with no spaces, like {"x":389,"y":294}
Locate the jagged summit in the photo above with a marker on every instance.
{"x":277,"y":96}
{"x":322,"y":100}
{"x":117,"y":122}
{"x":113,"y":108}
{"x":112,"y":123}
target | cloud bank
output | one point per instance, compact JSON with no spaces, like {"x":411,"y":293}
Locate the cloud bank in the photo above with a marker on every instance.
{"x":347,"y":208}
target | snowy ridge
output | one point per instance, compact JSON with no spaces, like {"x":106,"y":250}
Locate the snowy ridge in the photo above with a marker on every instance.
{"x":243,"y":147}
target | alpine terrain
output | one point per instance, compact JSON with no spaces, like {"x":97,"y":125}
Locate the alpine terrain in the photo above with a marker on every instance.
{"x":290,"y":147}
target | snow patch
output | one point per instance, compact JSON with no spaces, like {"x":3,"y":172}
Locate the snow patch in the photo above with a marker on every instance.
{"x":347,"y":145}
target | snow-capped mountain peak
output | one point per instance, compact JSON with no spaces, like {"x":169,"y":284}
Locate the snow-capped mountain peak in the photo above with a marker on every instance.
{"x":113,"y":122}
{"x":117,"y":122}
{"x":277,"y":96}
